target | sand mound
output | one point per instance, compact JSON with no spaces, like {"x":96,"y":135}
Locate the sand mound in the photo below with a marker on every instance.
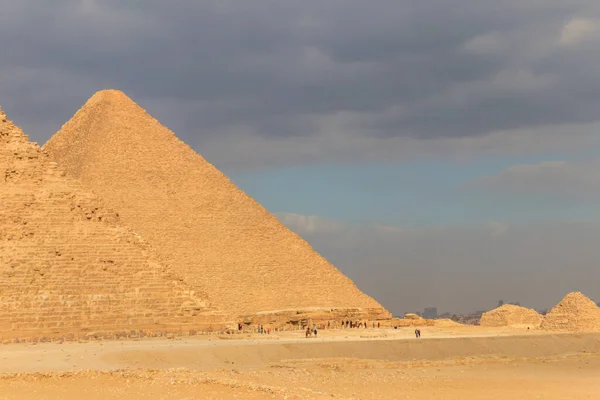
{"x":512,"y":316}
{"x":575,"y":313}
{"x":446,"y":323}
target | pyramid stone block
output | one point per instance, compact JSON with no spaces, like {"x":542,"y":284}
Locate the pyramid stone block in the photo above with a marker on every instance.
{"x":67,"y":265}
{"x":218,"y":238}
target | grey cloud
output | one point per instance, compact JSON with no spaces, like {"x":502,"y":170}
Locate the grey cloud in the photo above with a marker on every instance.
{"x":275,"y":69}
{"x":344,"y":142}
{"x":573,"y":181}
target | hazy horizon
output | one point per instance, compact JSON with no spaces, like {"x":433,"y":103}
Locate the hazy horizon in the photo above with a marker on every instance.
{"x":441,"y":155}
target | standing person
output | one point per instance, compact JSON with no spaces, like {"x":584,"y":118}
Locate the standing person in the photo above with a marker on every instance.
{"x":307,"y":331}
{"x":418,"y":330}
{"x":417,"y":333}
{"x":315,"y":331}
{"x":378,"y":325}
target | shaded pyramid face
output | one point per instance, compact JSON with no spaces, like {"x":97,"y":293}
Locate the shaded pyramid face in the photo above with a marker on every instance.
{"x":67,"y":266}
{"x":220,"y":239}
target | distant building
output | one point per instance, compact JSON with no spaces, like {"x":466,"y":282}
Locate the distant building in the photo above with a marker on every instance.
{"x":430,"y":313}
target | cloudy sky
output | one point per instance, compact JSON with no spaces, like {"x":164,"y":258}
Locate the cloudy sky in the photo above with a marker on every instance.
{"x":441,"y":153}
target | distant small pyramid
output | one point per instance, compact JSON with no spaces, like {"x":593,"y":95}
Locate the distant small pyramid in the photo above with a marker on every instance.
{"x":511,"y":316}
{"x":574,"y":313}
{"x":220,"y":239}
{"x":68,"y":267}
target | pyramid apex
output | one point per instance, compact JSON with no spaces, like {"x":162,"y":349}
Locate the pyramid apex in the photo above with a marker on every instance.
{"x":109,"y":94}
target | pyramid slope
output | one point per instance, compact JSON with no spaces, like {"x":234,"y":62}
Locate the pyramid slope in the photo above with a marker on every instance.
{"x":66,"y":265}
{"x":511,"y":316}
{"x":574,"y":313}
{"x":221,"y":239}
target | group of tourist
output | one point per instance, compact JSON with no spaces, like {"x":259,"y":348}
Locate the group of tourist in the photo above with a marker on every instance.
{"x":264,"y":331}
{"x":259,"y":329}
{"x":344,"y":324}
{"x":310,"y":332}
{"x":358,"y":324}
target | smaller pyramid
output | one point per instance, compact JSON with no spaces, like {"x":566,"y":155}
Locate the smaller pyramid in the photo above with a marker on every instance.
{"x":575,"y":313}
{"x":511,"y":316}
{"x":67,"y":265}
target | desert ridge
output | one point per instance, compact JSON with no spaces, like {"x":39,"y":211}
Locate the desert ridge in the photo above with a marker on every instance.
{"x":69,"y":268}
{"x":217,"y":238}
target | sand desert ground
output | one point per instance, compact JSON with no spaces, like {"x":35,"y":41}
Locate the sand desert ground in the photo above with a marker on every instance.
{"x":123,"y":277}
{"x":447,"y":363}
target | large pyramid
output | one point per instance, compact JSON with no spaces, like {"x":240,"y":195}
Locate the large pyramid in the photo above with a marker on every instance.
{"x":67,"y":267}
{"x":220,"y":239}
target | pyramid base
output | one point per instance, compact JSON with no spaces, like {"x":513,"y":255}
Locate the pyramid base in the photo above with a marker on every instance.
{"x":115,"y":332}
{"x":313,"y":315}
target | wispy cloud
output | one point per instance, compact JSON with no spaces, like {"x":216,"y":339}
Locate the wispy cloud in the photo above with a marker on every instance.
{"x":577,"y":181}
{"x":579,"y":30}
{"x":308,"y":223}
